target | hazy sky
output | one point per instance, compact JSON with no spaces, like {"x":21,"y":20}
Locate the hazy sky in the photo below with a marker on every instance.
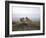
{"x":30,"y":12}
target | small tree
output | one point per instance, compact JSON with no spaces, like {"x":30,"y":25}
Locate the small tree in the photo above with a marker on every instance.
{"x":21,"y":19}
{"x":28,"y":20}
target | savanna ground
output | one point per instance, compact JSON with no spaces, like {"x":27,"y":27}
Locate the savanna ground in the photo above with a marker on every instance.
{"x":25,"y":25}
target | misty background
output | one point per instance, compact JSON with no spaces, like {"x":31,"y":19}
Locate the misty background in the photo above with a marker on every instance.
{"x":32,"y":13}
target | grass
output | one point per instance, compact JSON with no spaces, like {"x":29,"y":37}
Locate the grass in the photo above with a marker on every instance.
{"x":25,"y":25}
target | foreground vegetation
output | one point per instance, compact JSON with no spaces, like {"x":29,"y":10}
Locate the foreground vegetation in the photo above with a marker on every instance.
{"x":25,"y":24}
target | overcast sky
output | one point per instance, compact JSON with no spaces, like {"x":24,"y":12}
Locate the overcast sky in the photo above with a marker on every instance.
{"x":30,"y":12}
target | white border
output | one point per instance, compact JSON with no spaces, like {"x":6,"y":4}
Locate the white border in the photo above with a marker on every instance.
{"x":25,"y":32}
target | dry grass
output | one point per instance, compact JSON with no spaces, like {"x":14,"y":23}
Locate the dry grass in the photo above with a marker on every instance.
{"x":25,"y":25}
